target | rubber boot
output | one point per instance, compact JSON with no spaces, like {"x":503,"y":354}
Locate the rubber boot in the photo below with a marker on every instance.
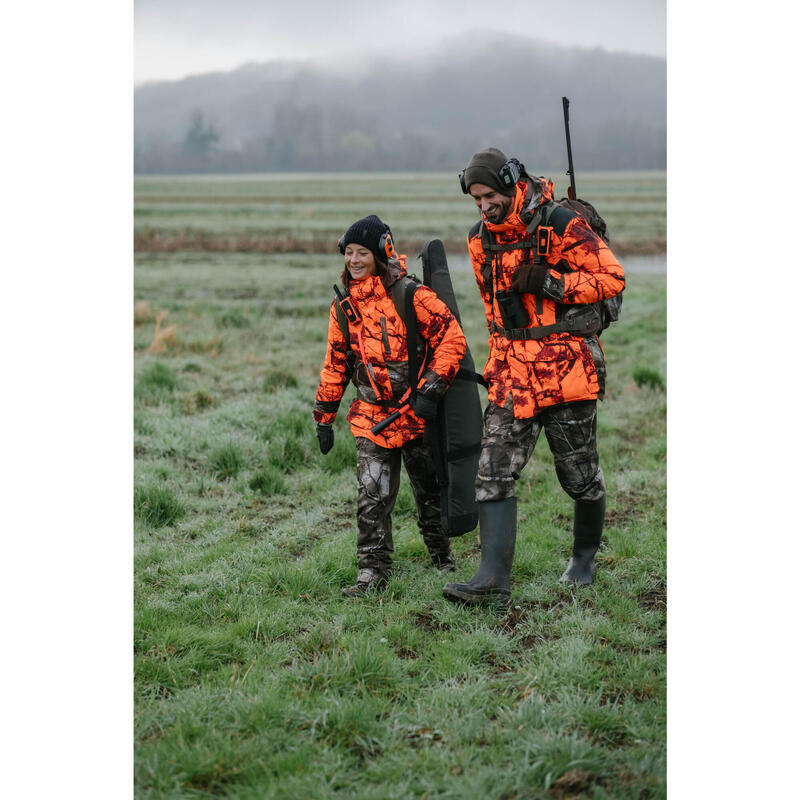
{"x":587,"y":530}
{"x":492,"y":582}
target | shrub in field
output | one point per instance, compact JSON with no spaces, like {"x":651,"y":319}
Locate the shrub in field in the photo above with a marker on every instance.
{"x":156,"y":381}
{"x":279,"y":380}
{"x":227,"y":461}
{"x":156,"y":505}
{"x":268,"y":481}
{"x":646,"y":377}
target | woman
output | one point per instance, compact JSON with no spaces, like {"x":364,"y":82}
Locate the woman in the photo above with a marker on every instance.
{"x":374,"y":355}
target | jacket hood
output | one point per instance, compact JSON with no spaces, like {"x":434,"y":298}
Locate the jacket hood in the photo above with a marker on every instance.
{"x":530,"y":194}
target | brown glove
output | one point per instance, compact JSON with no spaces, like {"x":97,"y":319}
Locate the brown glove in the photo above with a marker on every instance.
{"x":530,"y":278}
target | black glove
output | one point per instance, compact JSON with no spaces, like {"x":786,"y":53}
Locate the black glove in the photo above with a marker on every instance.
{"x":530,"y":278}
{"x":423,"y":406}
{"x":325,"y":437}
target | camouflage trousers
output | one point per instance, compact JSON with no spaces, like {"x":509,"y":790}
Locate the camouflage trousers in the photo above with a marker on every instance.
{"x":508,"y":443}
{"x":378,"y":471}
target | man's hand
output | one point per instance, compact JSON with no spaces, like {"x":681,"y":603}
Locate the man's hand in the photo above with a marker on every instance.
{"x":423,"y":406}
{"x":530,"y":278}
{"x":325,"y":437}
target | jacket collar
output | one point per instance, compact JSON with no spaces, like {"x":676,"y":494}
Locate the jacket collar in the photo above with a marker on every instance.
{"x":530,"y":193}
{"x":377,"y":286}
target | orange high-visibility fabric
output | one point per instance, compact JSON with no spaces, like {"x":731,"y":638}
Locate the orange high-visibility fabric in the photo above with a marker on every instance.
{"x":559,"y":368}
{"x":381,"y":326}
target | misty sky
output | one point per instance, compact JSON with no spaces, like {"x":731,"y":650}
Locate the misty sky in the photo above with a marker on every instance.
{"x":174,"y":38}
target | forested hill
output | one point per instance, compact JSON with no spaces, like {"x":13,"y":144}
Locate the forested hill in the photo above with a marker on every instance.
{"x":414,"y":114}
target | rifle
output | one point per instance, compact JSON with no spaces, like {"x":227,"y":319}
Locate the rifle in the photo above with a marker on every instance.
{"x":571,"y":192}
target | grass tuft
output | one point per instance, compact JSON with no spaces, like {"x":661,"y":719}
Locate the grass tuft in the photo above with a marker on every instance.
{"x":268,"y":481}
{"x":156,"y":505}
{"x":648,"y":378}
{"x":227,"y":461}
{"x":279,"y":380}
{"x":157,"y":382}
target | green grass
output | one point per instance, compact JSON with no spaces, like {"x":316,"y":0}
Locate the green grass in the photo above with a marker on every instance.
{"x":156,"y":505}
{"x":254,"y":678}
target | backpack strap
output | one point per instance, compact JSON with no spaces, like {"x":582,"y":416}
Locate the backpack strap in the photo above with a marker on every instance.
{"x":410,"y":320}
{"x":344,"y":326}
{"x":398,"y":290}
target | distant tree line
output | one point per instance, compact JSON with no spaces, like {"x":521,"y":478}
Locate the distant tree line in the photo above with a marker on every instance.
{"x":279,"y":117}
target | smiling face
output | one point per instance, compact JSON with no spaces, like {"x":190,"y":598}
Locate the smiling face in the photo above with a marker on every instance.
{"x":359,"y":261}
{"x":493,"y":205}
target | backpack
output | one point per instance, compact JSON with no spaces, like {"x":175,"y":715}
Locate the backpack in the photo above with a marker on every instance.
{"x":611,"y":307}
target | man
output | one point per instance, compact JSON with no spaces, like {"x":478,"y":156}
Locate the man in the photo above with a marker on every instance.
{"x":542,"y":272}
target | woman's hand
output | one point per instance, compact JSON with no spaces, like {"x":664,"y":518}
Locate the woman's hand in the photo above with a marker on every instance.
{"x":325,"y":437}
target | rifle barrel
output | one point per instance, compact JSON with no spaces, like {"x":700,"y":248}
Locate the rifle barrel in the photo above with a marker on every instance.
{"x":571,"y":171}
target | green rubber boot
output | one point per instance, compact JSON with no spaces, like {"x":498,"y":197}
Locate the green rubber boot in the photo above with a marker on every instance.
{"x":587,"y":530}
{"x":492,"y":582}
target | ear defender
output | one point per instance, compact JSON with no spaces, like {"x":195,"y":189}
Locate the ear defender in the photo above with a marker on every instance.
{"x":340,"y":244}
{"x":386,"y":245}
{"x":463,"y":182}
{"x":510,"y":172}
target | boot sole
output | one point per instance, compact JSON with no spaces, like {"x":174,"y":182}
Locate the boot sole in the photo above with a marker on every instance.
{"x":498,"y":596}
{"x":574,"y":582}
{"x":580,"y":580}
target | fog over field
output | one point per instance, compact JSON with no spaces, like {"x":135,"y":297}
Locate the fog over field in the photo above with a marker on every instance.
{"x":410,"y":112}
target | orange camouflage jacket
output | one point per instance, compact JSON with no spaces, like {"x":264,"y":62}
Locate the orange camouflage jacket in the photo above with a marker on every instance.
{"x":380,"y":373}
{"x":561,"y":367}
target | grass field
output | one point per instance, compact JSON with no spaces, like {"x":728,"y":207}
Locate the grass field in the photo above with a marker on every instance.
{"x":284,"y":213}
{"x":254,"y":678}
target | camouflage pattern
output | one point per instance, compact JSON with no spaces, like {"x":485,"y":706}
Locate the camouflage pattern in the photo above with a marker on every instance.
{"x":380,"y":372}
{"x":508,"y":443}
{"x":378,"y":472}
{"x":562,"y":367}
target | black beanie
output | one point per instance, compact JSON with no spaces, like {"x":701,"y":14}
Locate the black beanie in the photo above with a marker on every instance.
{"x":484,"y":167}
{"x":367,"y":232}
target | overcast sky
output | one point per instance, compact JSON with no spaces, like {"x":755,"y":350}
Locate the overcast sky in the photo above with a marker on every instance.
{"x":175,"y":38}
